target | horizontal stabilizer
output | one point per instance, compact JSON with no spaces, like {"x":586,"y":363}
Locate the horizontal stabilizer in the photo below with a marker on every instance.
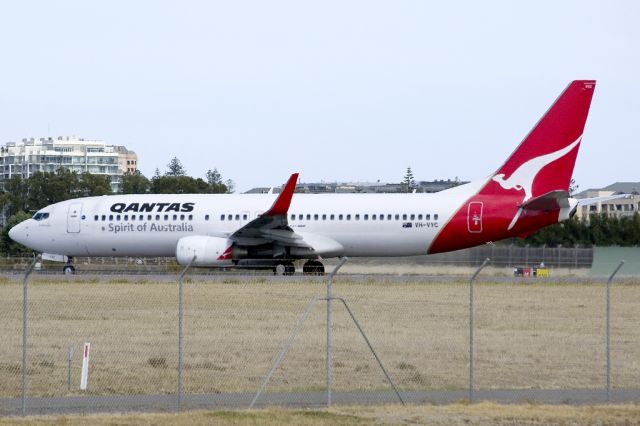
{"x":550,"y":201}
{"x":594,"y":200}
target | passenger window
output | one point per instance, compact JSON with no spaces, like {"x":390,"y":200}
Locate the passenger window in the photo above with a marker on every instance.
{"x":117,"y":217}
{"x":206,"y":217}
{"x":181,"y":217}
{"x":315,"y":217}
{"x":348,"y":217}
{"x":157,"y":217}
{"x":126,"y":217}
{"x":221,"y":217}
{"x":357,"y":217}
{"x":404,"y":217}
{"x":388,"y":217}
{"x":237,"y":217}
{"x":374,"y":217}
{"x":324,"y":217}
{"x":420,"y":217}
{"x":332,"y":217}
{"x":166,"y":217}
{"x":229,"y":217}
{"x":300,"y":217}
{"x":141,"y":217}
{"x":435,"y":217}
{"x":413,"y":217}
{"x":190,"y":217}
{"x":104,"y":217}
{"x":133,"y":217}
{"x":427,"y":216}
{"x":397,"y":217}
{"x":366,"y":217}
{"x":95,"y":218}
{"x":149,"y":217}
{"x":308,"y":217}
{"x":175,"y":217}
{"x":339,"y":217}
{"x":293,"y":217}
{"x":110,"y":217}
{"x":244,"y":217}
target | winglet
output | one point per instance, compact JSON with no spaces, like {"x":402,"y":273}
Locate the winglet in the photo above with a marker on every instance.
{"x":280,"y":207}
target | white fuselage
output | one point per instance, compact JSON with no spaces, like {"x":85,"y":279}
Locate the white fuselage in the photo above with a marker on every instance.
{"x":362,"y":224}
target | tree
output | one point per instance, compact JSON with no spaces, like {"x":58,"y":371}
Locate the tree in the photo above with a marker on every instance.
{"x":135,"y":183}
{"x":174,"y":168}
{"x":230,"y":185}
{"x":94,"y":185}
{"x":178,"y":185}
{"x":409,"y":181}
{"x":14,"y":199}
{"x":46,"y":188}
{"x":214,"y":179}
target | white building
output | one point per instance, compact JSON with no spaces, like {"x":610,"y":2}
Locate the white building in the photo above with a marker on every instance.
{"x":79,"y":155}
{"x":622,"y":207}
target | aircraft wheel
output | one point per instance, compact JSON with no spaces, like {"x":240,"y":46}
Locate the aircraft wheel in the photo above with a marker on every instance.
{"x":313,"y":267}
{"x":280,"y":269}
{"x":290,"y":268}
{"x":69,"y":270}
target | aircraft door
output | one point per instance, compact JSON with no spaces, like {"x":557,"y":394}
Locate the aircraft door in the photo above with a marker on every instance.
{"x":74,"y":215}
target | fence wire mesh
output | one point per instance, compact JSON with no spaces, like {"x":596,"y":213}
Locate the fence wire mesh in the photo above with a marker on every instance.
{"x":529,"y":334}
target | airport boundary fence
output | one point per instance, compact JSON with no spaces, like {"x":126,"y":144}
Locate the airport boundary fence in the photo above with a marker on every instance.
{"x":533,"y":335}
{"x":503,"y":256}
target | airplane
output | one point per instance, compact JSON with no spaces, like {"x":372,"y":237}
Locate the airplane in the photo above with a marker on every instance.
{"x":528,"y":192}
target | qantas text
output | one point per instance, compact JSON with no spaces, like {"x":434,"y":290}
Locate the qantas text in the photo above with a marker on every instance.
{"x":151,"y":207}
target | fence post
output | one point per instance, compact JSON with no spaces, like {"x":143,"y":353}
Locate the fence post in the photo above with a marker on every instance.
{"x":25,"y":318}
{"x":180,"y":329}
{"x":329,"y":355}
{"x":608,"y":315}
{"x":471,"y":314}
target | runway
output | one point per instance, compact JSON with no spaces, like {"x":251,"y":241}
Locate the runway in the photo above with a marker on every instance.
{"x":156,"y":403}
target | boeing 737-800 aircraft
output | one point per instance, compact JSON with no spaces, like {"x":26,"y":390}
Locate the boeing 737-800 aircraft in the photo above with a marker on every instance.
{"x":529,"y":191}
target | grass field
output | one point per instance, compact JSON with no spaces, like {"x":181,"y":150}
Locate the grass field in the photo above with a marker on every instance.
{"x":541,"y":335}
{"x":447,"y":415}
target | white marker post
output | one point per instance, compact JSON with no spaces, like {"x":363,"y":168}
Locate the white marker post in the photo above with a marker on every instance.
{"x":85,"y":366}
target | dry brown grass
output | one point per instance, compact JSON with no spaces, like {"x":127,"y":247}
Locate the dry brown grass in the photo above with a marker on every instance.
{"x":528,"y":336}
{"x":449,"y":415}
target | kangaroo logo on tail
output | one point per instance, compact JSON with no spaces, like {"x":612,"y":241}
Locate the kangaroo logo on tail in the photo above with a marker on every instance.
{"x":522,"y":178}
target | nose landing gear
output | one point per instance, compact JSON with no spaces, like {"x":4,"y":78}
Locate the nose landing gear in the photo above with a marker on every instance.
{"x":69,"y":269}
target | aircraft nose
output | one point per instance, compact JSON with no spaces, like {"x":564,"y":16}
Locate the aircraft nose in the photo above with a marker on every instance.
{"x":18,"y":233}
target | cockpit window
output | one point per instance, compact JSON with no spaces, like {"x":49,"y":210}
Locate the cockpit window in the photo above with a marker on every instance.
{"x":41,"y":216}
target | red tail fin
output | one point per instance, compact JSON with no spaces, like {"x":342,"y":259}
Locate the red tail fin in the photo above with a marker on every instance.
{"x":542,"y":164}
{"x":544,"y":161}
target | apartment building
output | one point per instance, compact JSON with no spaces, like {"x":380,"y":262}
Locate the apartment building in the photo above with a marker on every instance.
{"x":75,"y":154}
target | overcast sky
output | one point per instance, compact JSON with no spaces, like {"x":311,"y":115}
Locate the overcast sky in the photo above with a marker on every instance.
{"x":339,"y":91}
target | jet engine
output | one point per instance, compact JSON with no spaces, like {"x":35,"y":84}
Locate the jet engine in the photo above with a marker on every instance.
{"x":209,"y":251}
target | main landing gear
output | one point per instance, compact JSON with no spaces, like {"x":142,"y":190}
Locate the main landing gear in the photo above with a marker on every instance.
{"x":313,"y":267}
{"x":284,"y":268}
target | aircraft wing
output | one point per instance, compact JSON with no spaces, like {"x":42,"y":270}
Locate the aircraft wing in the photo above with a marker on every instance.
{"x":272,"y":226}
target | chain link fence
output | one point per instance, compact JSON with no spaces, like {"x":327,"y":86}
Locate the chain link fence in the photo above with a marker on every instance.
{"x":566,"y":258}
{"x":529,"y":336}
